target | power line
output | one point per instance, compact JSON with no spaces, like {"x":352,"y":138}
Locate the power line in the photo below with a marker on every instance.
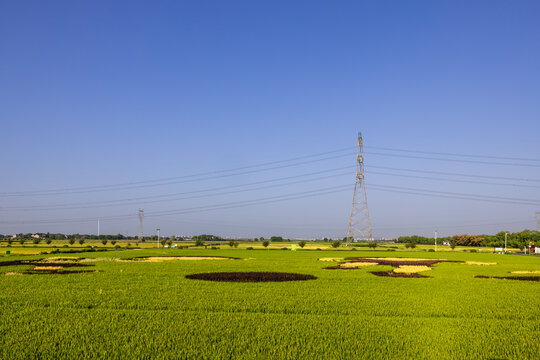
{"x":454,"y":160}
{"x":454,"y":174}
{"x":170,"y":198}
{"x":453,"y":180}
{"x":260,"y":201}
{"x":449,"y":195}
{"x":175,"y":180}
{"x":453,"y":154}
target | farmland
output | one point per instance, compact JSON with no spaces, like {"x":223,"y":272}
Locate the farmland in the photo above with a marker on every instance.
{"x":127,"y":306}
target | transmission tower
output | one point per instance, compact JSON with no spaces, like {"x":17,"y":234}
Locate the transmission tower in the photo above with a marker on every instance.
{"x":141,"y":215}
{"x":538,"y":220}
{"x":359,"y":223}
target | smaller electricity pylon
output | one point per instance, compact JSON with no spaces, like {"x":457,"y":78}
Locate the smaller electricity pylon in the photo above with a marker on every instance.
{"x":359,"y":223}
{"x":141,"y":215}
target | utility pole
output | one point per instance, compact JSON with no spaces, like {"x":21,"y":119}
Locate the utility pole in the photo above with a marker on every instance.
{"x":435,"y":240}
{"x":98,"y":228}
{"x":359,"y":222}
{"x":157,"y":238}
{"x":141,"y":215}
{"x":505,"y":237}
{"x":538,"y":220}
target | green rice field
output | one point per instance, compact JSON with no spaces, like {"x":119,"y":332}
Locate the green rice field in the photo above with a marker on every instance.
{"x":123,"y":307}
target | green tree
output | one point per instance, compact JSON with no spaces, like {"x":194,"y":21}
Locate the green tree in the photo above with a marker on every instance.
{"x":302,"y":244}
{"x":48,"y":241}
{"x":336,"y":244}
{"x":104,"y":241}
{"x":113,"y":242}
{"x":36,"y":241}
{"x":71,"y":241}
{"x":81,"y":241}
{"x":265,"y":243}
{"x":199,"y":242}
{"x":372,"y":244}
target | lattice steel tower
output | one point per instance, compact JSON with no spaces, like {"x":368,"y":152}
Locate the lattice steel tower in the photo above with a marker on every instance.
{"x":359,"y":223}
{"x":141,"y":215}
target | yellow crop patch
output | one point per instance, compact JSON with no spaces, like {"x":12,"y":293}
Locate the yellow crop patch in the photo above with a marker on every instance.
{"x":354,"y":265}
{"x":330,"y":259}
{"x":48,"y":268}
{"x":168,"y":258}
{"x":401,"y":259}
{"x":480,"y":263}
{"x":411,"y":269}
{"x":526,"y":272}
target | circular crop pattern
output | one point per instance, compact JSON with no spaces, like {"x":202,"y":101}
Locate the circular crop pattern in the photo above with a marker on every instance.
{"x":250,"y":276}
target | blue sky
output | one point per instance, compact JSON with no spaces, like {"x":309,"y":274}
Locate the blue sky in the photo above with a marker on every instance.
{"x":101,"y":93}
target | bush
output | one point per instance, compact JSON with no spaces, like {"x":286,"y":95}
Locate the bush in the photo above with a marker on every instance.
{"x":302,"y":244}
{"x":372,"y":244}
{"x":199,"y":242}
{"x":48,"y":241}
{"x":81,"y":241}
{"x":265,"y":243}
{"x":113,"y":242}
{"x":104,"y":241}
{"x":336,"y":244}
{"x":21,"y":241}
{"x":353,"y":249}
{"x":71,"y":241}
{"x":472,"y":250}
{"x":117,"y":246}
{"x":36,"y":241}
{"x":214,"y":248}
{"x":431,"y":250}
{"x":410,"y":245}
{"x":284,"y":248}
{"x":249,"y":248}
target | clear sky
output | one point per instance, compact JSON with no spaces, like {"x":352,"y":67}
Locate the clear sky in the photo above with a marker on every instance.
{"x":99,"y":93}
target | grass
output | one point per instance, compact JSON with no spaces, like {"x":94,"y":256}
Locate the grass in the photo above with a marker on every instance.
{"x":150,"y":310}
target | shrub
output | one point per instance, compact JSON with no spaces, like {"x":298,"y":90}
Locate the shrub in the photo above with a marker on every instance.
{"x":284,"y":248}
{"x":163,"y":242}
{"x":117,"y":246}
{"x":48,"y":241}
{"x":214,"y":248}
{"x":302,"y":244}
{"x":336,"y":244}
{"x":249,"y":248}
{"x":472,"y":250}
{"x":113,"y":242}
{"x":71,"y":241}
{"x":265,"y":243}
{"x":21,"y":241}
{"x":199,"y":242}
{"x":104,"y":241}
{"x":372,"y":244}
{"x":431,"y":250}
{"x":81,"y":241}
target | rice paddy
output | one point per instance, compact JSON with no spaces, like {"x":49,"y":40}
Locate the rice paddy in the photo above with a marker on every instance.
{"x":124,"y":304}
